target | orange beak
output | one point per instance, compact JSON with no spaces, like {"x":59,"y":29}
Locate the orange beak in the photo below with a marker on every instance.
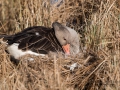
{"x":66,"y":49}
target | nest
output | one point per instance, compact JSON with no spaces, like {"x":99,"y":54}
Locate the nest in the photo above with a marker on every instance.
{"x":90,"y":72}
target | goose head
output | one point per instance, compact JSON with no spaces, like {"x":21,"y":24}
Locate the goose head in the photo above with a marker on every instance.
{"x":67,"y":37}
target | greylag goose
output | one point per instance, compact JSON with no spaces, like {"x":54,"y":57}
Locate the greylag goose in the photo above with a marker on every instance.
{"x":39,"y":40}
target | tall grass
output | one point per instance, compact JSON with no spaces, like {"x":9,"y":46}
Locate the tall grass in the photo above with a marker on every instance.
{"x":24,"y":13}
{"x":98,"y":21}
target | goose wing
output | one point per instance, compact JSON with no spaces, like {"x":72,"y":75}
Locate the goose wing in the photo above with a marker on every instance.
{"x":38,"y":39}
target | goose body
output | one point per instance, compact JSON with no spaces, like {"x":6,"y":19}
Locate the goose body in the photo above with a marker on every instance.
{"x":39,"y":40}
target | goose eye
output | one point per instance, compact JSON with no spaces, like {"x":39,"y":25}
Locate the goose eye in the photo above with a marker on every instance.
{"x":64,"y":39}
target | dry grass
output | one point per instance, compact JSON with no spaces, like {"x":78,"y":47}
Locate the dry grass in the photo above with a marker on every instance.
{"x":98,"y":21}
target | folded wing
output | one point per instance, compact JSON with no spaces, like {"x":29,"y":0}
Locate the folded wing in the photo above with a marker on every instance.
{"x":38,"y":39}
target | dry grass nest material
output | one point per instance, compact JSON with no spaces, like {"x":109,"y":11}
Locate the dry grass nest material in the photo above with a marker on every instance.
{"x":46,"y":73}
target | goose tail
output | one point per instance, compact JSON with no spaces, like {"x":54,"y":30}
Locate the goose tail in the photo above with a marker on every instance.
{"x":5,"y":38}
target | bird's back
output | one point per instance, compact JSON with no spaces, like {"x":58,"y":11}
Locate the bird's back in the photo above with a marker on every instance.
{"x":38,"y":39}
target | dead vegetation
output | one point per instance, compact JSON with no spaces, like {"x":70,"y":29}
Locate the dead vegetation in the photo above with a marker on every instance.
{"x":98,"y":21}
